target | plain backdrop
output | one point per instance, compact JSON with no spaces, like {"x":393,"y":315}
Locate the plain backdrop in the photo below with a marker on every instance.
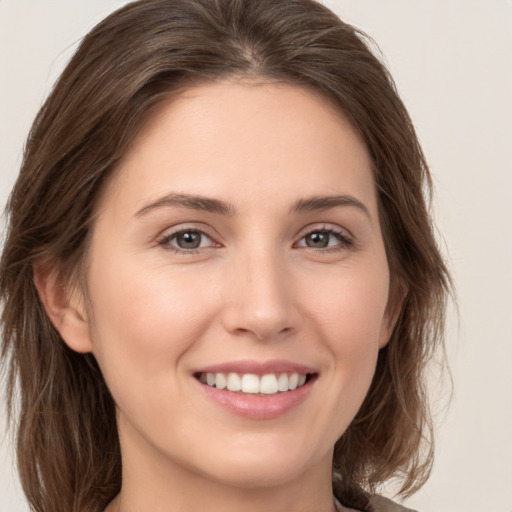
{"x":452,"y":61}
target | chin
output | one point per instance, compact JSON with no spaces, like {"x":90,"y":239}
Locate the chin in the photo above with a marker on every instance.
{"x":264,"y":466}
{"x":266,"y":474}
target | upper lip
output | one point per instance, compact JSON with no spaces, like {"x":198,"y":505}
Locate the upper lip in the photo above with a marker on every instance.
{"x":257,"y":367}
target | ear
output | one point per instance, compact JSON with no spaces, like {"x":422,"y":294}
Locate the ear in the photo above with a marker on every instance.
{"x":64,"y":306}
{"x":397,"y":295}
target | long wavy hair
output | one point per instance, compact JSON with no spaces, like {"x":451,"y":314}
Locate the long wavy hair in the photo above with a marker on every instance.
{"x":68,"y":450}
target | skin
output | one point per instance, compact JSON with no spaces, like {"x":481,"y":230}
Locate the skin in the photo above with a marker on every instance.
{"x":255,"y":289}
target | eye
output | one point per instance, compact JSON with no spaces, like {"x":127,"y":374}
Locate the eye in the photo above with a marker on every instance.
{"x":187,"y":240}
{"x":322,"y":239}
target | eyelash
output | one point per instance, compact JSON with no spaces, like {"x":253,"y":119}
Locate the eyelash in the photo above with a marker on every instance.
{"x":346,"y":242}
{"x":165,"y":241}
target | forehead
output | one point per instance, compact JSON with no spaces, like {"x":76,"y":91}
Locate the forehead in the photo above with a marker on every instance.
{"x":246,"y":140}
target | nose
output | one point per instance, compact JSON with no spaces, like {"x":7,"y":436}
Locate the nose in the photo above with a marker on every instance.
{"x":260,"y":301}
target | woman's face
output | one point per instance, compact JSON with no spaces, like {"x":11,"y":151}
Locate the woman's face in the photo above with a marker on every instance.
{"x":238,"y":244}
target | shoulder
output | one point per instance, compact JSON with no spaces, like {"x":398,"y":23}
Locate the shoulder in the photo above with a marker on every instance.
{"x":381,"y":504}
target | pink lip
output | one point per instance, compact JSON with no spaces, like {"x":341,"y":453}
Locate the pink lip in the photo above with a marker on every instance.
{"x":258,"y":367}
{"x":257,"y":407}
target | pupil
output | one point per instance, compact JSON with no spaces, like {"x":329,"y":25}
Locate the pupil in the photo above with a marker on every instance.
{"x":317,"y":240}
{"x":189,"y":240}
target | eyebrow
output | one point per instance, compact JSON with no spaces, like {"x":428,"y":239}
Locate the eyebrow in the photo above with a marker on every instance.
{"x":327,"y":202}
{"x":191,"y":202}
{"x":207,"y":204}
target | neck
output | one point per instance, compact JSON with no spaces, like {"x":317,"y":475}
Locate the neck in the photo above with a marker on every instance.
{"x":217,"y":499}
{"x":153,"y":482}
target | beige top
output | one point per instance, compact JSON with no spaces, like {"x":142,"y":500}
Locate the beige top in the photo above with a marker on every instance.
{"x":381,"y":504}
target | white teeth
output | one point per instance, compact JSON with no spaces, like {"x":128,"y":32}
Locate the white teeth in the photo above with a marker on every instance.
{"x":282,"y":382}
{"x":268,"y":384}
{"x":250,"y":383}
{"x":220,"y":381}
{"x":233,"y":382}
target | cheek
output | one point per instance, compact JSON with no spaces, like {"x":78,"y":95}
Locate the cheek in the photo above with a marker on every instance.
{"x":344,"y":312}
{"x":349,"y":305}
{"x":144,"y":321}
{"x":349,"y":313}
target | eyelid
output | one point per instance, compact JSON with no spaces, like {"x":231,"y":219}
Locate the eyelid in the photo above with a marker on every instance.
{"x":169,"y":233}
{"x":347,"y":240}
{"x":324,"y":226}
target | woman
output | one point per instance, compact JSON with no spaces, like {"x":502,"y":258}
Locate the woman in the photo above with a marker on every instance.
{"x":220,"y":285}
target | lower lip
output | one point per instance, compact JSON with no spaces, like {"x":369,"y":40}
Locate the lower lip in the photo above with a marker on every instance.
{"x":258,"y":407}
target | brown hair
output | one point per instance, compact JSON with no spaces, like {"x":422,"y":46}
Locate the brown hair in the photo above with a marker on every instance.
{"x":67,"y":446}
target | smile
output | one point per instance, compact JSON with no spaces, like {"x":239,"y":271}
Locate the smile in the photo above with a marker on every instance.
{"x":257,"y":390}
{"x":268,"y":384}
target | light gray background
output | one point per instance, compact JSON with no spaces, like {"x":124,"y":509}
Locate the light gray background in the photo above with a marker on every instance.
{"x":452,"y":61}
